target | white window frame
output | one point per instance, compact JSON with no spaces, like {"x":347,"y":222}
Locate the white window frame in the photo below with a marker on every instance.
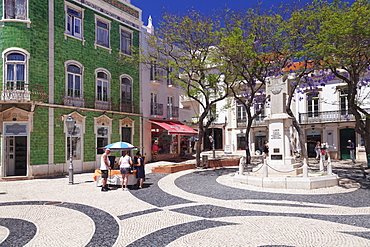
{"x":67,"y":32}
{"x":241,"y":112}
{"x":130,"y":32}
{"x":26,"y":18}
{"x":108,"y":22}
{"x":311,"y":111}
{"x":343,"y":100}
{"x":75,"y":63}
{"x":25,"y":63}
{"x":107,"y":81}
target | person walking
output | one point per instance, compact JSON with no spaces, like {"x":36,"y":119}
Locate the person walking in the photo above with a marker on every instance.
{"x":351,"y":147}
{"x":323,"y":151}
{"x":266,"y":150}
{"x":140,"y":170}
{"x":318,"y":150}
{"x":125,"y":163}
{"x":104,"y":167}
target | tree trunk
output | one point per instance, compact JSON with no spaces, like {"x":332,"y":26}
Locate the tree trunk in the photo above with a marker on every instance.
{"x":301,"y":136}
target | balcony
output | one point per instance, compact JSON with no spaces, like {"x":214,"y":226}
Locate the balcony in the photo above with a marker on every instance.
{"x":156,"y":109}
{"x":258,"y":121}
{"x":171,"y":84}
{"x":172,"y":112}
{"x":327,"y":117}
{"x":24,"y":93}
{"x":102,"y":105}
{"x":127,"y":106}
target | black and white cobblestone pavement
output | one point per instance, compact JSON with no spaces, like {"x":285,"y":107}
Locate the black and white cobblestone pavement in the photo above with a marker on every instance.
{"x":200,"y":207}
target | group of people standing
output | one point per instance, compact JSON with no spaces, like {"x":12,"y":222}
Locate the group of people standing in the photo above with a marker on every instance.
{"x":126,"y":164}
{"x":320,"y":150}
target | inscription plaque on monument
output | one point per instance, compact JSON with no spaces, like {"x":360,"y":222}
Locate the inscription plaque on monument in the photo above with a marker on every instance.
{"x":276,"y":134}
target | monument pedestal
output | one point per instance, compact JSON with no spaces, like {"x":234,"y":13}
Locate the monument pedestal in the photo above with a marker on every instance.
{"x":282,"y":169}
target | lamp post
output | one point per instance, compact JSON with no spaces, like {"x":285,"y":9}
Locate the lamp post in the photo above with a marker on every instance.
{"x":213,"y":140}
{"x":71,"y":124}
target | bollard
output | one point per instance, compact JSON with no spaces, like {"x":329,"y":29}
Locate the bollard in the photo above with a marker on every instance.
{"x":305,"y":168}
{"x":265,"y":169}
{"x":205,"y":160}
{"x":329,"y":168}
{"x":241,"y":165}
{"x":321,"y":164}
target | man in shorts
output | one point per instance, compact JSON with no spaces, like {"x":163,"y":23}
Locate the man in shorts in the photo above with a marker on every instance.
{"x":104,"y":167}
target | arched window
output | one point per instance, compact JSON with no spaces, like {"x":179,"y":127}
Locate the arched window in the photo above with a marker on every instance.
{"x":126,"y":94}
{"x":102,"y":86}
{"x":74,"y":80}
{"x":15,"y":71}
{"x":126,"y":87}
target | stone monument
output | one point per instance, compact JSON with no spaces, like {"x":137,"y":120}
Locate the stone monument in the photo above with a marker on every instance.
{"x":279,"y":169}
{"x":280,"y":129}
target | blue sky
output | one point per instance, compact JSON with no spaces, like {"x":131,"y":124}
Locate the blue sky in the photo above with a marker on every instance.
{"x":155,"y":7}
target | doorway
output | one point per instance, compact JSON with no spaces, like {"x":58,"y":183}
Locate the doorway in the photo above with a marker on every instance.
{"x":217,"y":138}
{"x":259,"y":140}
{"x":345,"y":135}
{"x":16,"y":156}
{"x":76,"y":149}
{"x":313,"y":136}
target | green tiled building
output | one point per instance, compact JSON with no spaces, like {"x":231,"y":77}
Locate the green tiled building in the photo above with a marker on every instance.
{"x":61,"y":58}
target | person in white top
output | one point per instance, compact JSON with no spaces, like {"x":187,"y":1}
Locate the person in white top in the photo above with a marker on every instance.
{"x":125,"y":163}
{"x":104,"y":166}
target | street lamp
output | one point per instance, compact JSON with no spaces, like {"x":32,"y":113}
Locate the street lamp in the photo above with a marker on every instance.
{"x":213,"y":140}
{"x":71,"y":125}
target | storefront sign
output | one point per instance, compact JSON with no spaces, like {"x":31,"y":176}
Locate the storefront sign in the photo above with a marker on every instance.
{"x":15,"y":129}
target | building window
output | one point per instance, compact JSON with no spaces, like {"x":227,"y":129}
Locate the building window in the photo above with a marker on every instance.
{"x":170,"y":107}
{"x":343,"y":101}
{"x":126,"y":42}
{"x":313,"y":104}
{"x":126,"y":95}
{"x":15,"y":71}
{"x":101,"y":139}
{"x":102,"y":86}
{"x":168,"y":76}
{"x":16,"y":9}
{"x":156,"y":73}
{"x":126,"y":89}
{"x":155,"y":107}
{"x":102,"y":33}
{"x":74,"y":22}
{"x":74,"y":76}
{"x":242,"y":113}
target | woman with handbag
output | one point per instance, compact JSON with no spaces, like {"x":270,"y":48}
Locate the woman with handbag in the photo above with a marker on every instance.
{"x":125,"y":163}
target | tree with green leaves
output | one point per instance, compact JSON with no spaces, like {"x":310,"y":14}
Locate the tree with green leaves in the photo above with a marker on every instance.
{"x":342,"y":45}
{"x":251,"y":45}
{"x":187,"y":44}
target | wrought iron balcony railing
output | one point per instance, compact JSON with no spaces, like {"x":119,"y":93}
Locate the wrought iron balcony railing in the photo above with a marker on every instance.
{"x":327,"y":116}
{"x":121,"y":106}
{"x":172,"y":112}
{"x":24,"y":93}
{"x":156,"y":109}
{"x":258,"y":121}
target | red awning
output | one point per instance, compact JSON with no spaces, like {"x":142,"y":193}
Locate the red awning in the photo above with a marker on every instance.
{"x":175,"y":128}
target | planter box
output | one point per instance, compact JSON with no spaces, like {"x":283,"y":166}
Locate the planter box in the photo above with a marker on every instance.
{"x":223,"y":163}
{"x":172,"y":169}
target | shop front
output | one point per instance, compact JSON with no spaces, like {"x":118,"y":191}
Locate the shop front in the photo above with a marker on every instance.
{"x":170,"y":139}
